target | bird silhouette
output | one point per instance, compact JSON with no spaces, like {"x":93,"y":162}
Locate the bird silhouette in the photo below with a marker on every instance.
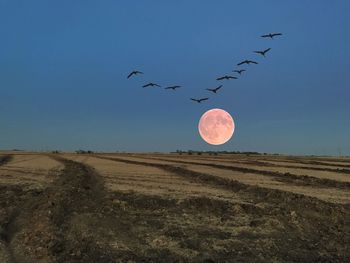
{"x":272,"y":35}
{"x":135,"y":72}
{"x":239,"y":71}
{"x":199,"y":100}
{"x":263,"y":52}
{"x":226,"y":77}
{"x":247,"y":62}
{"x":150,"y":85}
{"x":173,"y":87}
{"x":215,"y":90}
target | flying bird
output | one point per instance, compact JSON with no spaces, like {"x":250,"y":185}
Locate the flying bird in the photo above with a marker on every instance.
{"x":216,"y":89}
{"x":272,"y":35}
{"x":247,"y":62}
{"x":263,"y":52}
{"x":135,"y":72}
{"x":226,"y":77}
{"x":199,"y":100}
{"x":173,"y":87}
{"x":239,"y":71}
{"x":150,"y":85}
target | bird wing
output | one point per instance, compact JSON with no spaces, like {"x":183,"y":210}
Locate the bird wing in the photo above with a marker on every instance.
{"x":210,"y":89}
{"x":218,"y":88}
{"x":258,"y":52}
{"x":138,"y":72}
{"x":254,"y":62}
{"x":221,"y":78}
{"x":241,"y":63}
{"x":203,"y":99}
{"x":267,"y":50}
{"x":277,"y":34}
{"x":194,"y":99}
{"x":168,"y":88}
{"x":156,"y":85}
{"x":132,"y":73}
{"x":265,"y":36}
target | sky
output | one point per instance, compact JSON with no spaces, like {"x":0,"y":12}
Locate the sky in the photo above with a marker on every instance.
{"x":63,"y":68}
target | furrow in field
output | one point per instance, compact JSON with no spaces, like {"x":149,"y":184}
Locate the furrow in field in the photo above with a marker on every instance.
{"x":312,"y":172}
{"x":125,"y":177}
{"x":329,"y":194}
{"x":288,"y":163}
{"x":272,"y":203}
{"x":302,"y":162}
{"x":309,"y":165}
{"x":265,"y":160}
{"x":286,"y":177}
{"x":325,"y":172}
{"x":312,"y":160}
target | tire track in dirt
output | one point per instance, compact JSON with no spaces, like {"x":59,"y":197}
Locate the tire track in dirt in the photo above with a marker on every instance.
{"x":41,"y":229}
{"x":298,"y":180}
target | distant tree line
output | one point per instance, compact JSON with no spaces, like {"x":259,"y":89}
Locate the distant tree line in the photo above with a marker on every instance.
{"x":192,"y":152}
{"x":84,"y":152}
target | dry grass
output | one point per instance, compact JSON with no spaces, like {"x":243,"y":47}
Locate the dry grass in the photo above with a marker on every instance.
{"x":31,"y":170}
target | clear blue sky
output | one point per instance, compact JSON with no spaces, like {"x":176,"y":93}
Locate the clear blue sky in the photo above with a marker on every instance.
{"x":63,"y":67}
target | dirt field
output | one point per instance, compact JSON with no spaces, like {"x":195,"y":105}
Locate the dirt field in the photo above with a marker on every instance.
{"x":173,"y":208}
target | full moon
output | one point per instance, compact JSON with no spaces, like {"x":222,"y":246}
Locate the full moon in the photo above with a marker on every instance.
{"x":216,"y":126}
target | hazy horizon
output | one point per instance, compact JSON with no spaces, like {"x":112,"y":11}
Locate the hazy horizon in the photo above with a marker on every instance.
{"x":63,"y":68}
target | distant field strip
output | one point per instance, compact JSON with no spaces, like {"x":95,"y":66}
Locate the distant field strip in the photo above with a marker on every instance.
{"x":329,"y":194}
{"x":312,"y":165}
{"x":238,"y":181}
{"x":340,"y":175}
{"x":29,"y":169}
{"x":287,"y":162}
{"x":310,"y":160}
{"x":281,"y":175}
{"x":121,"y":176}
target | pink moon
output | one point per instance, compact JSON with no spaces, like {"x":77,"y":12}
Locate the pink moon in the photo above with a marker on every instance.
{"x":216,"y":126}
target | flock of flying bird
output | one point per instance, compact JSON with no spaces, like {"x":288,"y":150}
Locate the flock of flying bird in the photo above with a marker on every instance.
{"x":226,"y":77}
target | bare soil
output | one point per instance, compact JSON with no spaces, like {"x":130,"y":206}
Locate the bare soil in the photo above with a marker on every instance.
{"x":147,"y":208}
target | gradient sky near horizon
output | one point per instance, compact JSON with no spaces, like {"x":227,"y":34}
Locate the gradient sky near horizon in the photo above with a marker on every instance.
{"x":63,"y":68}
